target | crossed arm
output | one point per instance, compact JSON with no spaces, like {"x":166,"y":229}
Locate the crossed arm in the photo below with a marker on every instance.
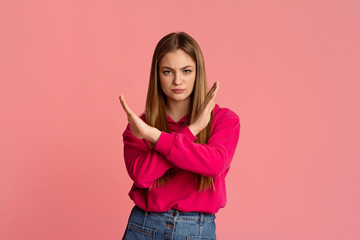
{"x":178,"y":148}
{"x":145,"y":165}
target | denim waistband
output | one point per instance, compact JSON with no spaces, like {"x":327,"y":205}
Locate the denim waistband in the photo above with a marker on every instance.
{"x":179,"y":215}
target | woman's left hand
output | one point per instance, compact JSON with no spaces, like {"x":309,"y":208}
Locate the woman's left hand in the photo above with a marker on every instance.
{"x":203,"y":116}
{"x":138,"y":127}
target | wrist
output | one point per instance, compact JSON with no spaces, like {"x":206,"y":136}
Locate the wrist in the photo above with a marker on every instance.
{"x":153,"y":135}
{"x":194,"y":129}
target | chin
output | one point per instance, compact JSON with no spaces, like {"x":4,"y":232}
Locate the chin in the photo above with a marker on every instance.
{"x":180,"y":98}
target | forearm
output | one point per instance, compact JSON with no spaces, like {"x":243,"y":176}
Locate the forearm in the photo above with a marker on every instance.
{"x":153,"y":135}
{"x":208,"y":159}
{"x":143,"y":164}
{"x":194,"y":129}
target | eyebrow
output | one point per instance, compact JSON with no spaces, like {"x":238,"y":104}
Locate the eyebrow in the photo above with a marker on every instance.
{"x":187,"y":66}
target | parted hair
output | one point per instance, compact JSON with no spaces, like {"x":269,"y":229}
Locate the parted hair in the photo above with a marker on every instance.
{"x":155,"y":111}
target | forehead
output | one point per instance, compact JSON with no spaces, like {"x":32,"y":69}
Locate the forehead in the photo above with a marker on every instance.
{"x":176,"y":58}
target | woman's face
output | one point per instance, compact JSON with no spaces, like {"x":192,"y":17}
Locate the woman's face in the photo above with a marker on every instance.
{"x":177,"y":71}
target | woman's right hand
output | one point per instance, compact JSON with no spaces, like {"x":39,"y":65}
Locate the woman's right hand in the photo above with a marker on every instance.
{"x":137,"y":126}
{"x":203,"y":116}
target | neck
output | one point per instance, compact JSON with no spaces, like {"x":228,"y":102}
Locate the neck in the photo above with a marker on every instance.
{"x":177,"y":109}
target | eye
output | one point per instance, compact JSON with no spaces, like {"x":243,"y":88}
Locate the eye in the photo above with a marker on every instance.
{"x":187,"y":71}
{"x":166,"y":72}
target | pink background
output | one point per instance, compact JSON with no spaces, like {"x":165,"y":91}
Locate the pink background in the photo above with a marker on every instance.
{"x":289,"y":69}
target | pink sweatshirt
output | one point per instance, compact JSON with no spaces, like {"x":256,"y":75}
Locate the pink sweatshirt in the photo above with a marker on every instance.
{"x":178,"y":150}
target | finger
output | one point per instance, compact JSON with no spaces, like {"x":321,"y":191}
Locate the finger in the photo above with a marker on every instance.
{"x":215,"y":91}
{"x":124,"y":105}
{"x":208,"y":95}
{"x":211,"y":94}
{"x":217,"y":87}
{"x":210,"y":104}
{"x":212,"y":89}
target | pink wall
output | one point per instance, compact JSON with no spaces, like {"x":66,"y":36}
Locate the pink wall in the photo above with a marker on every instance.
{"x":290,"y":69}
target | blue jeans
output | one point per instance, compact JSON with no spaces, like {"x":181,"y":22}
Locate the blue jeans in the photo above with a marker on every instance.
{"x":170,"y":225}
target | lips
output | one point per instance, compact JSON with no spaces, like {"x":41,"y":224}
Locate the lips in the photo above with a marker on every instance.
{"x":177,"y":90}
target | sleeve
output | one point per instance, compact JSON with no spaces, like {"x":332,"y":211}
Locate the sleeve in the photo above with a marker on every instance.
{"x":185,"y":130}
{"x":210,"y":159}
{"x":144,"y":165}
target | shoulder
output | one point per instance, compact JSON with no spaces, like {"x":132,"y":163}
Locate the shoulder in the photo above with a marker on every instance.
{"x":222,"y":113}
{"x":226,"y":122}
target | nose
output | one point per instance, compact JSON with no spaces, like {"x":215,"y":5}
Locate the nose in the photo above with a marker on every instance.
{"x":177,"y":79}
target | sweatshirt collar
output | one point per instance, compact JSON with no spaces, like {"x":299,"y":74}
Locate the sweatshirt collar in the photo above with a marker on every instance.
{"x":184,"y":118}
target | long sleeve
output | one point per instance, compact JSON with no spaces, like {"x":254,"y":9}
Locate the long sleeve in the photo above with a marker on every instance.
{"x":144,"y":165}
{"x":210,"y":159}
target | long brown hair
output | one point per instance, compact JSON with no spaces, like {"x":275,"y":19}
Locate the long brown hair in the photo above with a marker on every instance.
{"x":155,"y":113}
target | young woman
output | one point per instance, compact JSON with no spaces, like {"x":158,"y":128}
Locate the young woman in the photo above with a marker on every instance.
{"x":179,"y":150}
